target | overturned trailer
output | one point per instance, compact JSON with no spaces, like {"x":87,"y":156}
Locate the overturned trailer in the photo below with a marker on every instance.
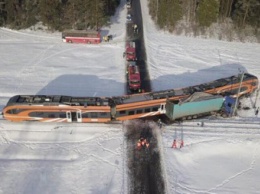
{"x":197,"y":105}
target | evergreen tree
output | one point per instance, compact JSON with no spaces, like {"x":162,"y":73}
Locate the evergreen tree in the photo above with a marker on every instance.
{"x":2,"y":12}
{"x":247,"y":11}
{"x":30,"y":12}
{"x":13,"y":13}
{"x":207,"y":12}
{"x":174,"y":13}
{"x":153,"y":5}
{"x":225,"y":8}
{"x":189,"y":8}
{"x":162,"y":14}
{"x":50,"y":13}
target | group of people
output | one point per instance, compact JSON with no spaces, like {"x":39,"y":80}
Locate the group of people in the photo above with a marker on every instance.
{"x":144,"y":140}
{"x":142,"y":143}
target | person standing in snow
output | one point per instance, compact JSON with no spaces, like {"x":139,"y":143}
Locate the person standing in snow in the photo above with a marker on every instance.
{"x":256,"y":112}
{"x":135,"y":28}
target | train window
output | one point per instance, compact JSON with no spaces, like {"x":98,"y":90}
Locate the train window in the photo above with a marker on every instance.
{"x":62,"y":115}
{"x":85,"y":115}
{"x":104,"y":115}
{"x":131,"y":112}
{"x":51,"y":115}
{"x":123,"y":112}
{"x":94,"y":115}
{"x":235,"y":91}
{"x":243,"y":89}
{"x":139,"y":111}
{"x":155,"y":109}
{"x":14,"y":111}
{"x":38,"y":114}
{"x":147,"y":110}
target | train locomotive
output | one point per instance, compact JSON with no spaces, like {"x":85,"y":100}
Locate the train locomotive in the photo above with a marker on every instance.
{"x":58,"y":108}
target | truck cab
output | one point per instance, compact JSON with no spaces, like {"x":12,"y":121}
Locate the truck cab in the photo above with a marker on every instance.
{"x":130,"y":52}
{"x":133,"y":76}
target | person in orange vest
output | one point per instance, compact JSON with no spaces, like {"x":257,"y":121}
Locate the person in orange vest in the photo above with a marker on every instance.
{"x":182,"y":144}
{"x":143,"y":142}
{"x":147,"y":145}
{"x":174,"y":145}
{"x":139,"y":144}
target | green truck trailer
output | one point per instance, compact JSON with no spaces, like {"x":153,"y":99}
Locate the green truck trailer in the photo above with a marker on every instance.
{"x":198,"y":104}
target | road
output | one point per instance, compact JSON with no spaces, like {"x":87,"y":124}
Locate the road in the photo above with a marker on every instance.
{"x":136,"y":13}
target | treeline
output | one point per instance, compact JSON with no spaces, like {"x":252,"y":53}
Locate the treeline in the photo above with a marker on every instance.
{"x":203,"y":13}
{"x":57,"y":14}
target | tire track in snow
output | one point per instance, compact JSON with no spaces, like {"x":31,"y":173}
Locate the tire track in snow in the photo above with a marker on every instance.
{"x":241,"y":173}
{"x":13,"y":34}
{"x":30,"y":68}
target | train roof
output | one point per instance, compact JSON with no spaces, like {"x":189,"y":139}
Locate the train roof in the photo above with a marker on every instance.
{"x":57,"y":99}
{"x":148,"y":96}
{"x":107,"y":101}
{"x":164,"y":94}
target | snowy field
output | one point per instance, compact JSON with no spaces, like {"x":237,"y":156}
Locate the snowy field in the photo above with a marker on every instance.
{"x":221,"y":157}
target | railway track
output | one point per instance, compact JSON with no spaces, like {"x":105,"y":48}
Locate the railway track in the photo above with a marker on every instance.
{"x":226,"y":127}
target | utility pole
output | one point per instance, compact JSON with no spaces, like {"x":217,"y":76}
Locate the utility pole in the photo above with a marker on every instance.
{"x":157,"y":7}
{"x":239,"y":89}
{"x":257,"y":93}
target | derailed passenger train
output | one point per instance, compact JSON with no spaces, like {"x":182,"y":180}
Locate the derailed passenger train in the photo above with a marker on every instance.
{"x":119,"y":108}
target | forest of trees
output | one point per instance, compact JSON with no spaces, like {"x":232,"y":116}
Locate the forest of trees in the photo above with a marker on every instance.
{"x":203,"y":13}
{"x":198,"y":15}
{"x":57,"y":14}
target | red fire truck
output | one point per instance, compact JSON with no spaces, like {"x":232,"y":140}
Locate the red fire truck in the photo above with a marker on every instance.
{"x":130,"y":51}
{"x":81,"y":36}
{"x":133,"y":76}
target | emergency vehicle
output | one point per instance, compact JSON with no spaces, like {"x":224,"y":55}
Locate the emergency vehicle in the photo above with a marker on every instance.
{"x":133,"y":76}
{"x":130,"y":51}
{"x":81,"y":36}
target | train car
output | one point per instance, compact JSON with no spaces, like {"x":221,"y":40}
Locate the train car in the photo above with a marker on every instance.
{"x":199,"y":104}
{"x":120,"y":108}
{"x":144,"y":105}
{"x":57,"y":109}
{"x":232,"y":86}
{"x":153,"y":103}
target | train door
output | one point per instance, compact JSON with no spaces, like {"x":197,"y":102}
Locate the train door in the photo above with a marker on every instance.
{"x":79,"y":116}
{"x":74,"y":116}
{"x":68,"y":115}
{"x":162,"y":109}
